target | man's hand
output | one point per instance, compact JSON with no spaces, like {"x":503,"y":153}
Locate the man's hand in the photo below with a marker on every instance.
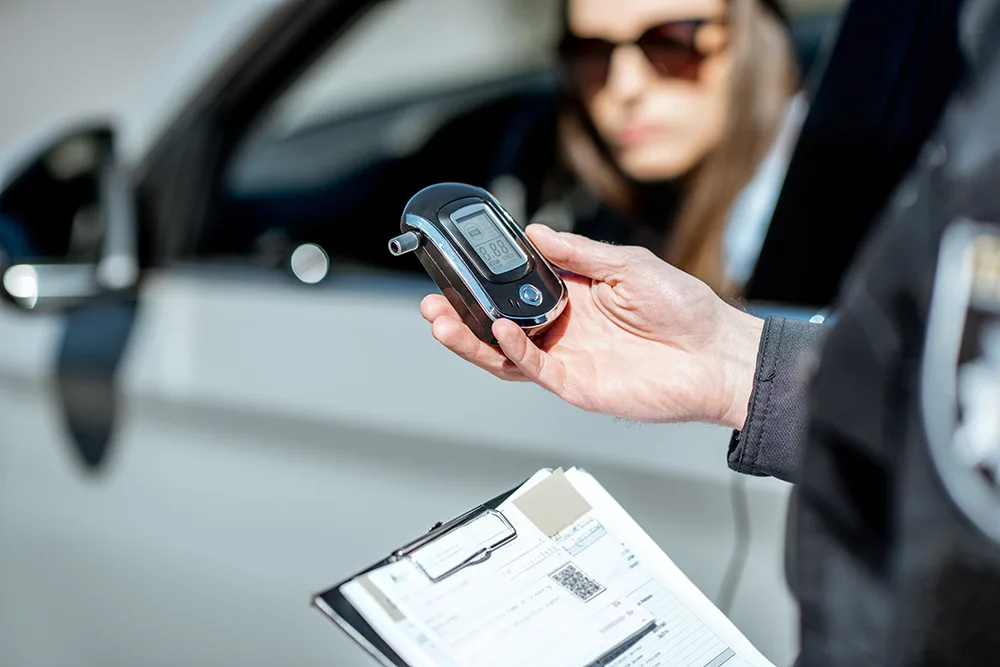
{"x":639,"y":339}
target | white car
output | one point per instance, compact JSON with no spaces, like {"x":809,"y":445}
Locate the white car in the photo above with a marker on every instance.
{"x":217,"y":395}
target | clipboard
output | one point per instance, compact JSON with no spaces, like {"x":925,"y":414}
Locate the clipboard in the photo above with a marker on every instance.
{"x":338,"y":608}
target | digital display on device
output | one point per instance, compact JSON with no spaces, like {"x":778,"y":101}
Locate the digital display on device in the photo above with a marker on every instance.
{"x":477,"y":255}
{"x":483,"y":233}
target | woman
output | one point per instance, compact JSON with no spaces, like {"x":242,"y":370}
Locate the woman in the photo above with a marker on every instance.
{"x":669,"y":107}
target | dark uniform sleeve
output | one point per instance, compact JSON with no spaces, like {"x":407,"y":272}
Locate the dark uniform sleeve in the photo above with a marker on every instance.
{"x":772,"y":436}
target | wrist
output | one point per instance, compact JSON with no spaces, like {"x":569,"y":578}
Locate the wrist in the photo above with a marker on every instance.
{"x":739,"y":346}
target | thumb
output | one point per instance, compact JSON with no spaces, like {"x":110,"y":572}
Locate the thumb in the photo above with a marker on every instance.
{"x":578,"y":254}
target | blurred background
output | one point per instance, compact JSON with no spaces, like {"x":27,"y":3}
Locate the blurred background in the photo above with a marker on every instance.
{"x":217,"y":396}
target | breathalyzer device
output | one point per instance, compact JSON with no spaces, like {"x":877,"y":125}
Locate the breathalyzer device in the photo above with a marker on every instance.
{"x":480,"y":259}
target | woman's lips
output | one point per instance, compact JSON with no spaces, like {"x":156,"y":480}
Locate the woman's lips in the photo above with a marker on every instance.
{"x":635,"y":135}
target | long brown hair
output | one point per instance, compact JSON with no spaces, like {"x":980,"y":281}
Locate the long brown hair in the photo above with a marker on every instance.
{"x":763,"y":77}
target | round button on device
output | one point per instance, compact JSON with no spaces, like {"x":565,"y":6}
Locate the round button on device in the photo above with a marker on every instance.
{"x":530,"y":294}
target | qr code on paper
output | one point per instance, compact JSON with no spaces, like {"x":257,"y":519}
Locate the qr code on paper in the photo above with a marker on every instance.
{"x":576,"y":582}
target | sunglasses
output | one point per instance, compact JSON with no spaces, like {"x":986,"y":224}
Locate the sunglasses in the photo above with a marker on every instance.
{"x":669,"y":47}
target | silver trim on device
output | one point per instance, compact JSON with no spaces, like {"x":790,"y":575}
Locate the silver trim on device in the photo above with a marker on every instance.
{"x":532,"y":323}
{"x":529,"y":324}
{"x":435,"y":236}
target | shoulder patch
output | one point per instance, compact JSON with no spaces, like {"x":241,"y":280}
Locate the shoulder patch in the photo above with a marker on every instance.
{"x":960,"y":375}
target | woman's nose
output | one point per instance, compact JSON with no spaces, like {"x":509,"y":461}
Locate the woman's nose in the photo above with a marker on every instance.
{"x":629,"y":73}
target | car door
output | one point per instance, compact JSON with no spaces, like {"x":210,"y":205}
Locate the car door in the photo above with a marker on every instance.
{"x":281,"y":415}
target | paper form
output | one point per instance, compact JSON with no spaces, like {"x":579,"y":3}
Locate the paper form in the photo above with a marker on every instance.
{"x":580,"y":578}
{"x":681,"y":639}
{"x":680,"y":590}
{"x":402,"y":634}
{"x":399,"y":632}
{"x":529,"y":604}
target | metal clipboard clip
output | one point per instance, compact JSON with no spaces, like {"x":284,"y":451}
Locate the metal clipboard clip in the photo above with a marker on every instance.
{"x":494,"y":531}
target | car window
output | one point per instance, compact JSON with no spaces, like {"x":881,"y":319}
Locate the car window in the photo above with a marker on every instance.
{"x":404,"y":48}
{"x":334,"y":159}
{"x":417,"y":92}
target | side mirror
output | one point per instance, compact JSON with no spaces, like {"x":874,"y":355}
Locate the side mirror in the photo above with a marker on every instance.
{"x":68,"y":224}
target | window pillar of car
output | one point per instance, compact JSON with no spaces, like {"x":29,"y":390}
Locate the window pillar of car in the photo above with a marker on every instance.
{"x":67,"y":224}
{"x":180,"y":180}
